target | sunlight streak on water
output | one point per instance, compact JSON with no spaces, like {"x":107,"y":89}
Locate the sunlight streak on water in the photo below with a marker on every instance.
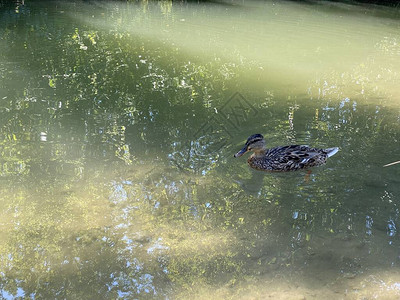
{"x":288,"y":44}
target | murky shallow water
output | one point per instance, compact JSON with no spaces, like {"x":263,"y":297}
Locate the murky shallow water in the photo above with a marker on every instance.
{"x":118,"y":125}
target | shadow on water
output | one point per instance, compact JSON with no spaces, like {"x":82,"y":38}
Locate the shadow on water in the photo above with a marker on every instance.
{"x":118,"y":181}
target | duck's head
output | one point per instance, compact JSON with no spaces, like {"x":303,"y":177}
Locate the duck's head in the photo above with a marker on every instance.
{"x":254,"y":143}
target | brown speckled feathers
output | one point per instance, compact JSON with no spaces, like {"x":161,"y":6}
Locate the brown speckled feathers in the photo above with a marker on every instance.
{"x":283,"y":158}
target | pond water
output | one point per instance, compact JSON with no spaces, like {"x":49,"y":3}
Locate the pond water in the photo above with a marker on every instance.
{"x":118,"y":125}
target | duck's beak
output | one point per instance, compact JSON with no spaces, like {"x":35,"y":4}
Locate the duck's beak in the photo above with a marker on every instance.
{"x":241,"y":152}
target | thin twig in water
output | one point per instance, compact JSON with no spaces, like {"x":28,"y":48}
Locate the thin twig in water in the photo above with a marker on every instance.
{"x":393,"y":163}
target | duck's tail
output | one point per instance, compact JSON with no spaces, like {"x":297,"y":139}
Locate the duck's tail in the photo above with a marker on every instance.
{"x":331,"y":151}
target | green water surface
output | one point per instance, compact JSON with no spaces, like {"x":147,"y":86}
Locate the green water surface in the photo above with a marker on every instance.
{"x":118,"y":125}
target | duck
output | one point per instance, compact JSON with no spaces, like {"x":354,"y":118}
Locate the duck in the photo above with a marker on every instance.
{"x":283,"y":158}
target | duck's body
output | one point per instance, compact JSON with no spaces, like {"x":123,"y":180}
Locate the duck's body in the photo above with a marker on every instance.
{"x":283,"y":158}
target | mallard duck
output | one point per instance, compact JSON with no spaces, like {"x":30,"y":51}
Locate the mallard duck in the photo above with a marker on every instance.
{"x":283,"y":158}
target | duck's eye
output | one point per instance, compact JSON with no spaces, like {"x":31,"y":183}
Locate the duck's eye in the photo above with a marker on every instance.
{"x":249,"y":148}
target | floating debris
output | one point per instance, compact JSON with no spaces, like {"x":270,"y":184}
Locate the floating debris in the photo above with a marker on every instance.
{"x":393,"y":163}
